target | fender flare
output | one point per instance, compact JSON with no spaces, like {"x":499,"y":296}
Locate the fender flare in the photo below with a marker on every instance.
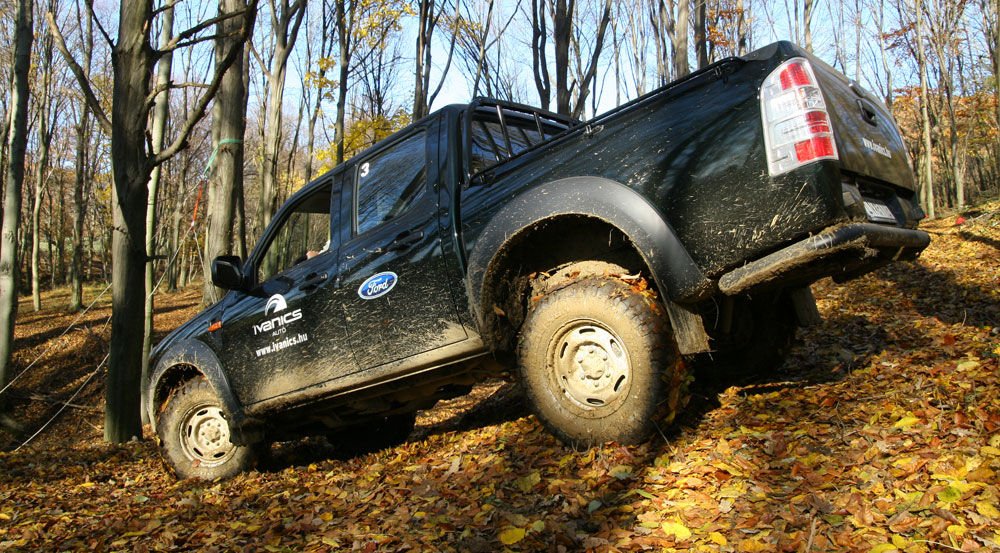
{"x":197,"y":354}
{"x":675,"y":273}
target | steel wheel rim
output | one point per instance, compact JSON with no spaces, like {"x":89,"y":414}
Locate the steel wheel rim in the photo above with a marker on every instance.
{"x":204,"y":436}
{"x":590,"y":366}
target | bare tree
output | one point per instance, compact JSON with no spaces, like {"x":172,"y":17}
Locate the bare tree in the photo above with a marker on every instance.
{"x":286,"y":19}
{"x":43,"y":95}
{"x":132,"y":163}
{"x":429,"y":14}
{"x":228,"y":130}
{"x":161,"y":109}
{"x":13,"y":181}
{"x":926,"y":174}
{"x":562,"y":14}
{"x":362,"y":29}
{"x":315,"y":84}
{"x":670,"y":34}
{"x":83,"y":131}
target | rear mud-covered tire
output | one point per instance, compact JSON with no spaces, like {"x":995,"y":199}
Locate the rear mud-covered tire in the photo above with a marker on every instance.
{"x":194,"y":435}
{"x":599,"y":363}
{"x":374,"y":436}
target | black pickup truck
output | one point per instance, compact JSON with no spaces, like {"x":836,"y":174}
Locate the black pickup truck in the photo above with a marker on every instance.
{"x":589,"y":259}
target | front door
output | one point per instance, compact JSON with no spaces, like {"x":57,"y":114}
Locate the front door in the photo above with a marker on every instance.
{"x":394,"y":287}
{"x":285,"y":333}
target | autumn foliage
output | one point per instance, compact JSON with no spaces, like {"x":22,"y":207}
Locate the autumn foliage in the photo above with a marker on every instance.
{"x":881,"y":432}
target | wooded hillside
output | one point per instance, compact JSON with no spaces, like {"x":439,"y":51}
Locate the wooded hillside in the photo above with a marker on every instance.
{"x":881,"y":432}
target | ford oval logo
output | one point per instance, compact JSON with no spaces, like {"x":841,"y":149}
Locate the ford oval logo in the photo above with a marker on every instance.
{"x":377,"y":286}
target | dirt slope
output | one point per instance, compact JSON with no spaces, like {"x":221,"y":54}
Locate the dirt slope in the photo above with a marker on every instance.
{"x":881,"y":432}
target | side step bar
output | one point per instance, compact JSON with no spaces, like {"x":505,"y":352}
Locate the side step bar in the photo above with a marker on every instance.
{"x":846,"y":250}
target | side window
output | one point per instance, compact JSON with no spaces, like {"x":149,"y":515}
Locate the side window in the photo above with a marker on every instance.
{"x":389,"y":182}
{"x":304,"y":233}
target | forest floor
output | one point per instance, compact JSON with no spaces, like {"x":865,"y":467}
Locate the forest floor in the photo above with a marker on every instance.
{"x":880,"y":432}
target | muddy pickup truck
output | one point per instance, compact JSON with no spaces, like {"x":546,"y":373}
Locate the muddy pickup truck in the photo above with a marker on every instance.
{"x":589,"y":260}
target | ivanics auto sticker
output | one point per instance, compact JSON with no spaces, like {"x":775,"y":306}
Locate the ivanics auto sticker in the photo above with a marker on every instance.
{"x":277,"y":323}
{"x":378,"y":285}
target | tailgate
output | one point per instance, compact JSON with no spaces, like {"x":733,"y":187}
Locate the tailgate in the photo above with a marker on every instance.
{"x":868,"y":141}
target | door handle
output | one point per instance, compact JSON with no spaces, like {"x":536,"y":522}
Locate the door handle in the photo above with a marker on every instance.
{"x":405,"y":241}
{"x":313,"y":281}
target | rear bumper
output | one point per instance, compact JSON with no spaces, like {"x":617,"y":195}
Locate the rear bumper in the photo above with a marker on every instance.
{"x":841,"y":252}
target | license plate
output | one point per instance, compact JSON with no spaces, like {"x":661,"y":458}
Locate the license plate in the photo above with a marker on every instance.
{"x":878,"y":211}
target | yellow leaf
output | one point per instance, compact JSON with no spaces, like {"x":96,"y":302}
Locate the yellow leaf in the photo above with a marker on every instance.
{"x":4,"y":516}
{"x":511,"y":536}
{"x":717,"y":538}
{"x":882,"y":548}
{"x":754,"y":546}
{"x":950,"y":494}
{"x":987,"y":510}
{"x":990,"y":450}
{"x":677,"y":530}
{"x":966,"y":365}
{"x":526,"y":483}
{"x":537,"y":526}
{"x":906,"y":422}
{"x":621,"y":472}
{"x":957,"y":530}
{"x":899,"y":541}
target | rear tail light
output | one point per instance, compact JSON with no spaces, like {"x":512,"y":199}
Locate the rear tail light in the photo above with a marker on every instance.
{"x":796,"y":124}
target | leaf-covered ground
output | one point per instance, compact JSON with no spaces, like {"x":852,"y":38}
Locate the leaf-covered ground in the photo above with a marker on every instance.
{"x":881,"y":432}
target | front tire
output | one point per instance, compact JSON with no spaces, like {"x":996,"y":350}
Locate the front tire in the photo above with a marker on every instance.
{"x":599,"y":363}
{"x":194,"y":435}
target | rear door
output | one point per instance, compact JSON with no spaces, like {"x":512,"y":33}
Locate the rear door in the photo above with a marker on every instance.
{"x":394,"y":285}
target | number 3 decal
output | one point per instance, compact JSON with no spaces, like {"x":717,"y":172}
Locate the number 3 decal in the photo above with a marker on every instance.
{"x":364,"y":170}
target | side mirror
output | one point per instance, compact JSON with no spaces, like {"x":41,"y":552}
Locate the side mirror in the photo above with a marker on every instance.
{"x":227,"y":272}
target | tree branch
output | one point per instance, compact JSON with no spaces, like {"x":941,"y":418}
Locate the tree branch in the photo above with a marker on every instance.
{"x":81,"y":76}
{"x":190,"y":32}
{"x":151,"y":98}
{"x":93,"y":16}
{"x":202,"y":106}
{"x":451,"y":52}
{"x":166,"y":6}
{"x":184,"y":44}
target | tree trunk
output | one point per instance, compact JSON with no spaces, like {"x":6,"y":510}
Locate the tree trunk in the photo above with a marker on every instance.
{"x":344,"y":31}
{"x":562,"y":32}
{"x":44,"y":100}
{"x":130,"y":165}
{"x":160,"y":110}
{"x":79,"y":211}
{"x":886,"y":68}
{"x":228,"y":129}
{"x":422,"y":57}
{"x":285,"y":23}
{"x":928,"y":178}
{"x":701,"y":32}
{"x":679,"y":39}
{"x":807,"y":15}
{"x":13,"y":181}
{"x":539,"y":59}
{"x":82,"y":170}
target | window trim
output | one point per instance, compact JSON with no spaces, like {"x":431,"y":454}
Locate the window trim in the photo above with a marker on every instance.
{"x":251,"y":267}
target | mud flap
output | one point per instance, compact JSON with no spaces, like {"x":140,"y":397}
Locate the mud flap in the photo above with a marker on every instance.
{"x":689,"y":330}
